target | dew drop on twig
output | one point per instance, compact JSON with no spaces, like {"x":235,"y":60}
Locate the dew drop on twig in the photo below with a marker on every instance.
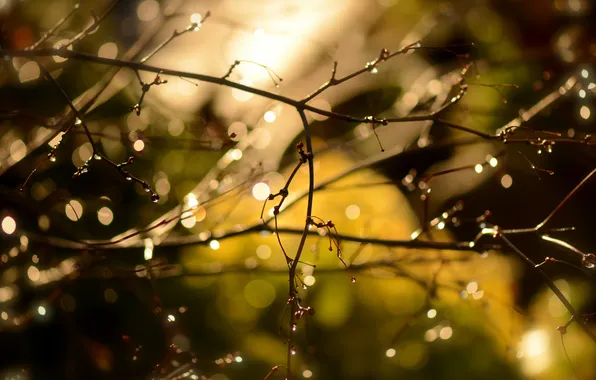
{"x":589,"y":260}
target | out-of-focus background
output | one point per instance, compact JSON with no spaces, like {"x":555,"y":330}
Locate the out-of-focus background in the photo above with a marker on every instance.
{"x":71,"y":313}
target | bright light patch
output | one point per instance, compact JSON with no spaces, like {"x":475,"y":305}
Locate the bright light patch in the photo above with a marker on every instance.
{"x":506,"y":181}
{"x":9,"y":225}
{"x":191,"y":200}
{"x":162,"y":186}
{"x":534,"y":350}
{"x":41,"y":310}
{"x":390,"y":352}
{"x":29,"y":71}
{"x":472,"y":287}
{"x":105,"y":216}
{"x":148,"y":252}
{"x":263,"y":251}
{"x":307,"y":374}
{"x":445,"y":333}
{"x":535,"y":343}
{"x":478,"y":295}
{"x":236,"y":154}
{"x":196,"y":18}
{"x":138,"y":145}
{"x":189,"y":222}
{"x":435,"y":87}
{"x":584,"y":112}
{"x":176,"y":127}
{"x":270,"y":116}
{"x":261,"y":191}
{"x":33,"y":273}
{"x":493,"y":162}
{"x":430,"y":335}
{"x":148,"y":10}
{"x":353,"y":212}
{"x":56,"y":140}
{"x":309,"y":280}
{"x":108,"y":50}
{"x":214,"y":245}
{"x":73,"y":210}
{"x":6,"y":293}
{"x":415,"y":234}
{"x":85,"y":151}
{"x":200,"y":213}
{"x":431,"y":313}
{"x":478,"y":168}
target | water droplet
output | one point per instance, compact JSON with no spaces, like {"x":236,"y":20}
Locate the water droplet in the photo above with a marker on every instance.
{"x":53,"y":158}
{"x":353,"y":279}
{"x":293,"y":327}
{"x":128,"y":177}
{"x":589,"y":260}
{"x":146,"y":187}
{"x":154,"y":198}
{"x":97,"y":156}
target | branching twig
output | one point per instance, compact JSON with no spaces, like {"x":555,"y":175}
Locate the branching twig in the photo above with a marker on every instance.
{"x":96,"y":154}
{"x":92,"y":27}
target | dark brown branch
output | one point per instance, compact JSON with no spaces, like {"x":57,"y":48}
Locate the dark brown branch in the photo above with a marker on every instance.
{"x":540,"y":225}
{"x":299,"y":105}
